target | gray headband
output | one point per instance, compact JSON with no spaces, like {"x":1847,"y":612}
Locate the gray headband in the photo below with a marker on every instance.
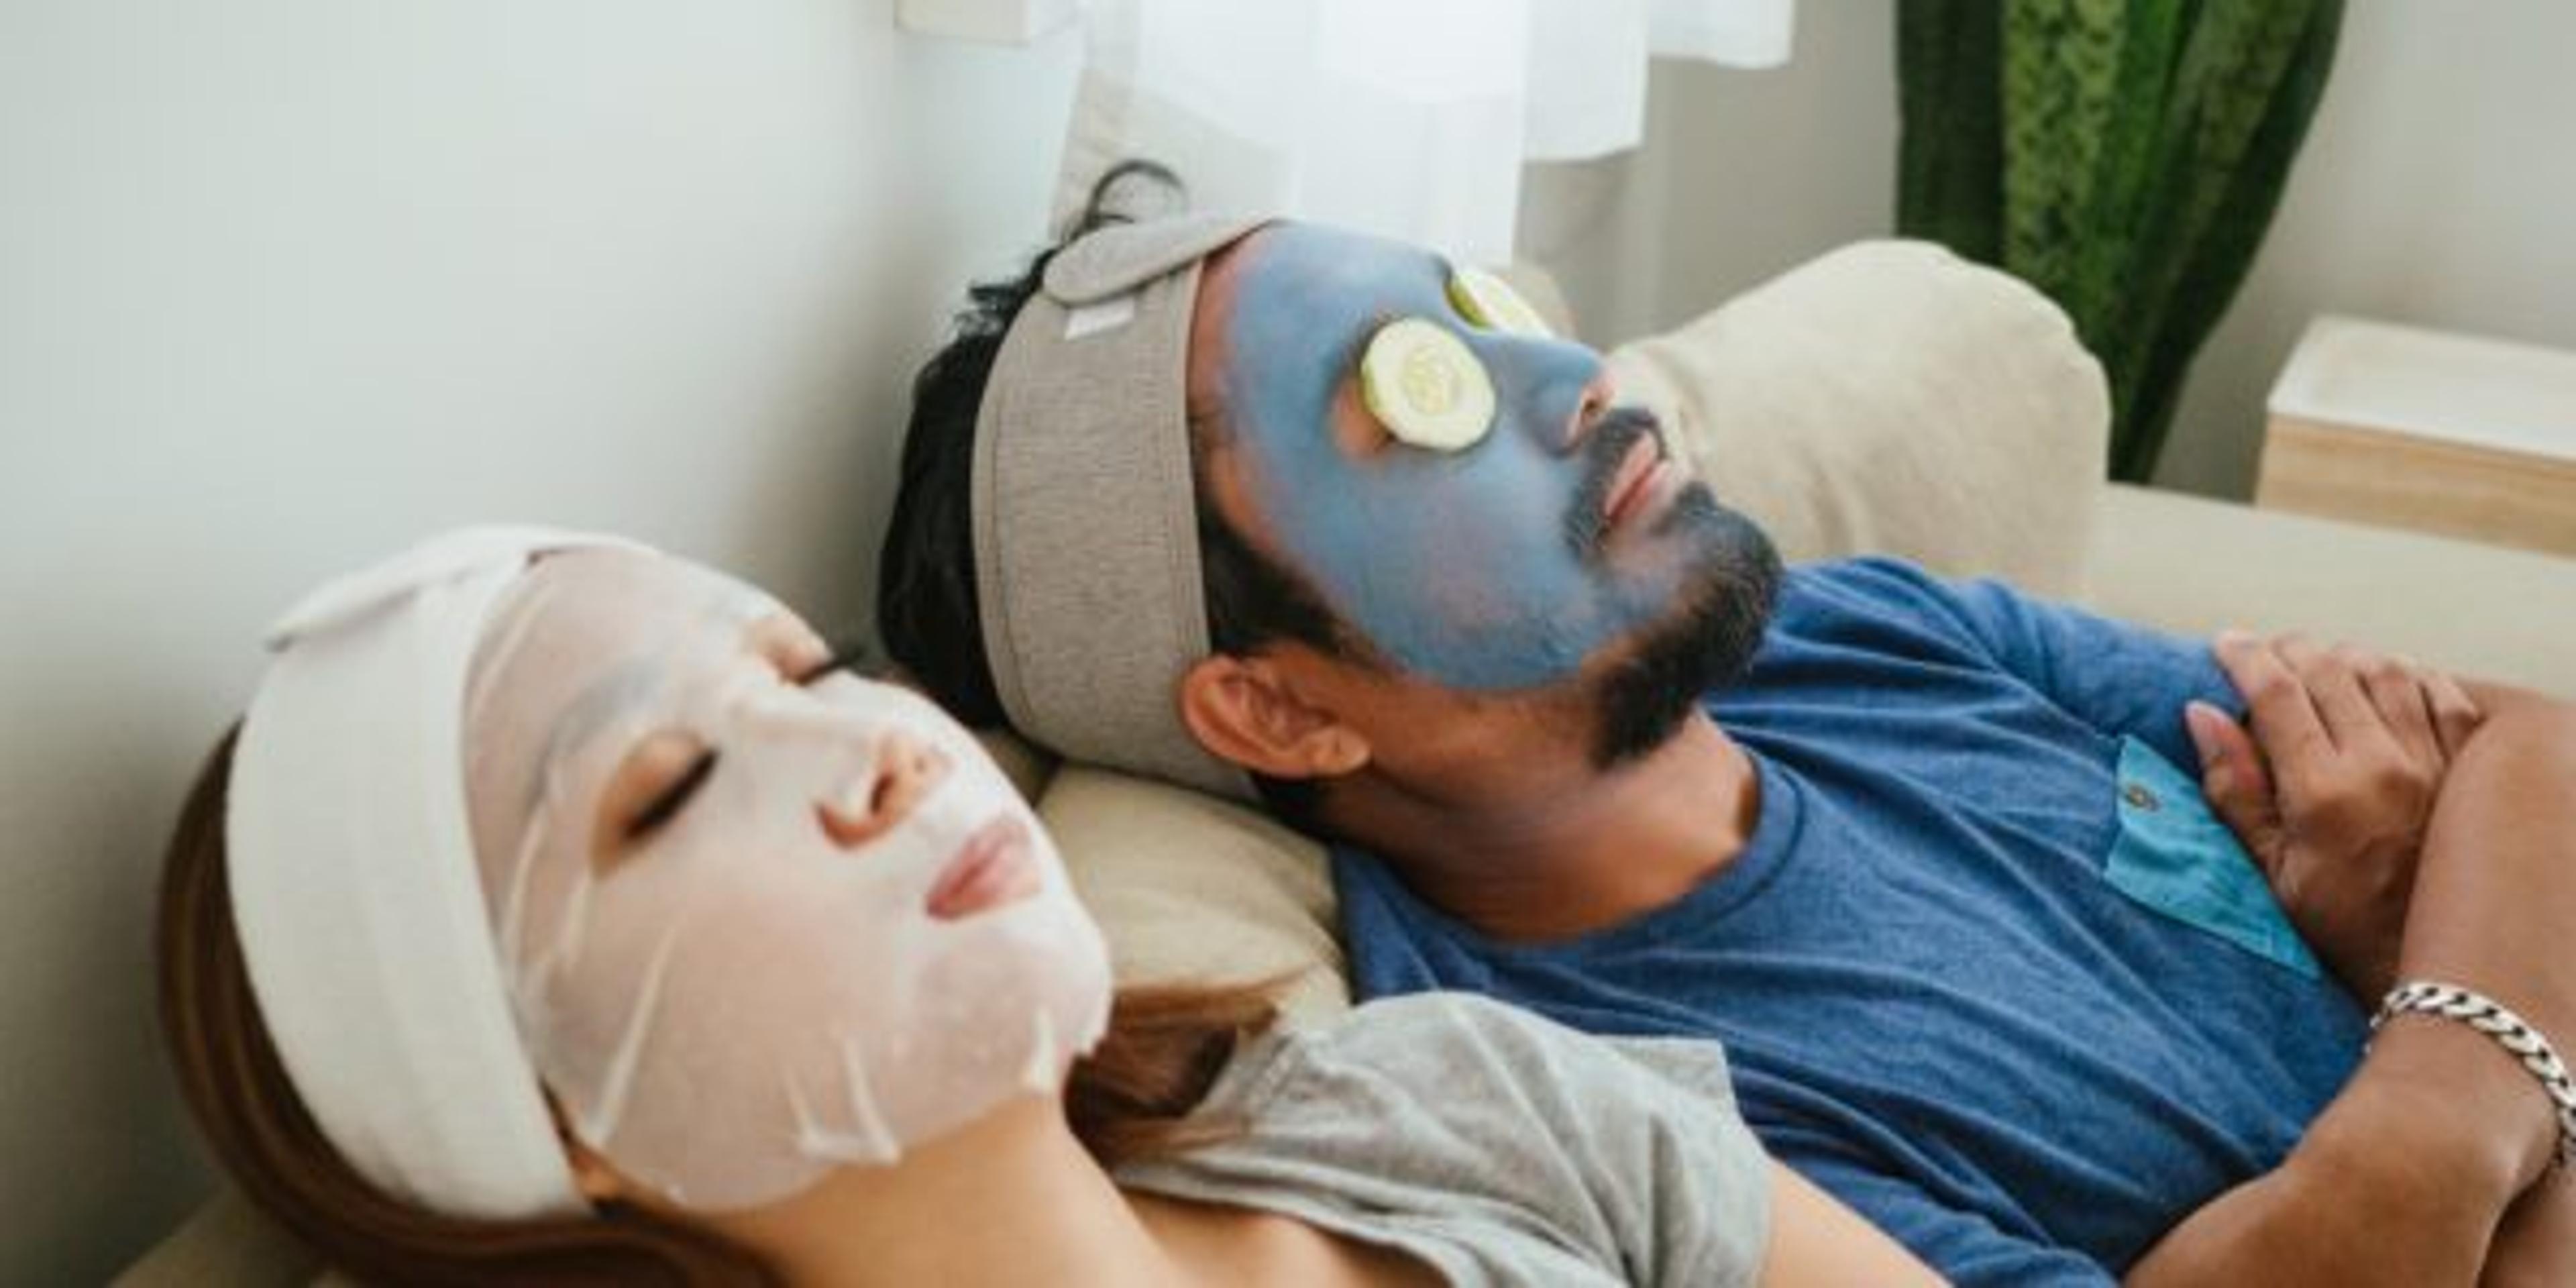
{"x":1085,"y":512}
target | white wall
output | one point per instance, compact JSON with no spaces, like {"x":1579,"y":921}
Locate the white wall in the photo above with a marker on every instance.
{"x":1743,"y":174}
{"x":2438,"y":187}
{"x":284,"y":283}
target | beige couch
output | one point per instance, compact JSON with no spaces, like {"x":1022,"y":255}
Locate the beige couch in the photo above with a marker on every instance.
{"x":1886,"y":397}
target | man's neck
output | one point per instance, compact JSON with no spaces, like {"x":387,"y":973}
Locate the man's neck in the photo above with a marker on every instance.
{"x":1593,"y":849}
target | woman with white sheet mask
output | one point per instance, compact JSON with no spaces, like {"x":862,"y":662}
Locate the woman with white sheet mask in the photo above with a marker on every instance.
{"x":722,"y":871}
{"x":785,"y":982}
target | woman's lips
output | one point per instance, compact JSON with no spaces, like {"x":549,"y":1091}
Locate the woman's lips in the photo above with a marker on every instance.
{"x":995,"y":866}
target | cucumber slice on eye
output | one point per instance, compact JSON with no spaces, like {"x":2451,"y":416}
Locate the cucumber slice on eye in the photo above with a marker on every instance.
{"x":1489,"y":301}
{"x":1426,"y":386}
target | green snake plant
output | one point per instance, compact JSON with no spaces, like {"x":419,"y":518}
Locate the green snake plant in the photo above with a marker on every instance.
{"x":2123,"y":156}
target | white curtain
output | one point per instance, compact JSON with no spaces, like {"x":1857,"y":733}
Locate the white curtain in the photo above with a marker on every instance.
{"x":1408,"y":118}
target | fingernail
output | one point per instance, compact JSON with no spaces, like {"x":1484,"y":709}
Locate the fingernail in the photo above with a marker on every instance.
{"x":2196,"y":721}
{"x":2230,"y":637}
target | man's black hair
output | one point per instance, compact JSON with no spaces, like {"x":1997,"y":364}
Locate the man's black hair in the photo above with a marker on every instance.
{"x":926,"y":606}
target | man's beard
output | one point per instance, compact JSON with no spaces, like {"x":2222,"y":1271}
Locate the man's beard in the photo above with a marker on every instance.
{"x":1725,"y":607}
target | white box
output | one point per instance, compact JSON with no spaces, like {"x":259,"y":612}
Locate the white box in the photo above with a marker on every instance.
{"x":2408,"y":427}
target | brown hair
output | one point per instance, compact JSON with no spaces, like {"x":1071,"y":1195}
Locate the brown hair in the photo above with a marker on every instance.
{"x":1130,"y":1099}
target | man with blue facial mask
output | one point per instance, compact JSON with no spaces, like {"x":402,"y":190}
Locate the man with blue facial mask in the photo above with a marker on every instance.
{"x":1567,"y":532}
{"x":2017,"y":939}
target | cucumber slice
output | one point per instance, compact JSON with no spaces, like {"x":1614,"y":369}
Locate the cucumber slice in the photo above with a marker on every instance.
{"x":1426,"y":386}
{"x":1489,"y":301}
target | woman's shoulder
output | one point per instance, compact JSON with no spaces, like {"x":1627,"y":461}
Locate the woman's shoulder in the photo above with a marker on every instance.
{"x":1496,"y":1144}
{"x":1437,"y":1044}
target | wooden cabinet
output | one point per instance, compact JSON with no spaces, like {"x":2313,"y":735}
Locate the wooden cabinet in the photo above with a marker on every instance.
{"x":2428,"y":430}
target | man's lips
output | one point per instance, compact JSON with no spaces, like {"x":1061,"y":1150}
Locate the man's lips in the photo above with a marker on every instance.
{"x":1640,"y":470}
{"x":995,"y":866}
{"x":1625,"y":468}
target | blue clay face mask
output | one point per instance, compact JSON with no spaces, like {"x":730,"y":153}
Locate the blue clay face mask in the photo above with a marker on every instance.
{"x":1489,"y":568}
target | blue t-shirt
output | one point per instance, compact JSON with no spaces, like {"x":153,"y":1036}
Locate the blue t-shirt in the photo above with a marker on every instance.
{"x":1987,"y":969}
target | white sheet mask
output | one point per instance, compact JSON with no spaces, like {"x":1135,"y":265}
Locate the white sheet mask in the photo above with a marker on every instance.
{"x":740,"y":1002}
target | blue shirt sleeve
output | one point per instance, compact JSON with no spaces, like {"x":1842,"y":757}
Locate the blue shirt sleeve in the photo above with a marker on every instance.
{"x":2121,"y":679}
{"x":1964,"y":1247}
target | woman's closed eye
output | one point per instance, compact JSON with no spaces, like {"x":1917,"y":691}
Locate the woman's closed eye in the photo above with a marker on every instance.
{"x":658,"y":779}
{"x":667,"y":804}
{"x":651,"y":787}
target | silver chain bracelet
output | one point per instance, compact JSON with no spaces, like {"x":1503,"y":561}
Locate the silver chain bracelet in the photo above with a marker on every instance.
{"x":2518,"y":1038}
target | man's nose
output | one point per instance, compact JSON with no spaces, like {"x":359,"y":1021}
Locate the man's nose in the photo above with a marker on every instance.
{"x":1561,"y":388}
{"x":871,"y":803}
{"x":1597,"y":397}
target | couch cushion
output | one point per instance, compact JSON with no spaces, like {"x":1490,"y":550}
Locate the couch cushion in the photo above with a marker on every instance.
{"x":2196,"y":566}
{"x":1192,"y":889}
{"x":1892,"y":398}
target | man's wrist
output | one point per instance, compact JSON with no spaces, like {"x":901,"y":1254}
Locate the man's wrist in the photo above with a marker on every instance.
{"x":2438,"y":1107}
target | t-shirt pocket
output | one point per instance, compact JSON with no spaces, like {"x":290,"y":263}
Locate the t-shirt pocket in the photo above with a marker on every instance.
{"x":2174,"y":856}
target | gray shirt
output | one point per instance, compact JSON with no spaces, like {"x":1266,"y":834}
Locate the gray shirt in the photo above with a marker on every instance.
{"x":1492,"y":1144}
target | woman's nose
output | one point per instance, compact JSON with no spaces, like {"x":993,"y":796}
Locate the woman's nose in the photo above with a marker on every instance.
{"x":906,"y":770}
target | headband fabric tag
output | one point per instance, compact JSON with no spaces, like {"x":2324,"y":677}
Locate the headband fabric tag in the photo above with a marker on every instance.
{"x":1107,"y":315}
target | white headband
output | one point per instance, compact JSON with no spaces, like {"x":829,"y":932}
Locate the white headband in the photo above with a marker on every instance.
{"x":354,"y":887}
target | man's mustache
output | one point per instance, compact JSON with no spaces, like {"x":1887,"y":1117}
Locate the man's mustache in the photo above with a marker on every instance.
{"x":1603,"y":449}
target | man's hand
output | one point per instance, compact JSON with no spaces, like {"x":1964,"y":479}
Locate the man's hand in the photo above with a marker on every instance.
{"x":2332,"y":789}
{"x":2422,"y":1169}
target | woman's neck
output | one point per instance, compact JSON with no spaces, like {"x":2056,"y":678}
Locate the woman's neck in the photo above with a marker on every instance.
{"x":1011,"y":1199}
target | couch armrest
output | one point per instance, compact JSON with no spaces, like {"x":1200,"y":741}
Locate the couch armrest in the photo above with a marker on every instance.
{"x":2195,"y":566}
{"x":1890,"y":397}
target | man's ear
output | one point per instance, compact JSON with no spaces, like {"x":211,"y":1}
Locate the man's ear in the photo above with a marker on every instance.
{"x":1246,"y":710}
